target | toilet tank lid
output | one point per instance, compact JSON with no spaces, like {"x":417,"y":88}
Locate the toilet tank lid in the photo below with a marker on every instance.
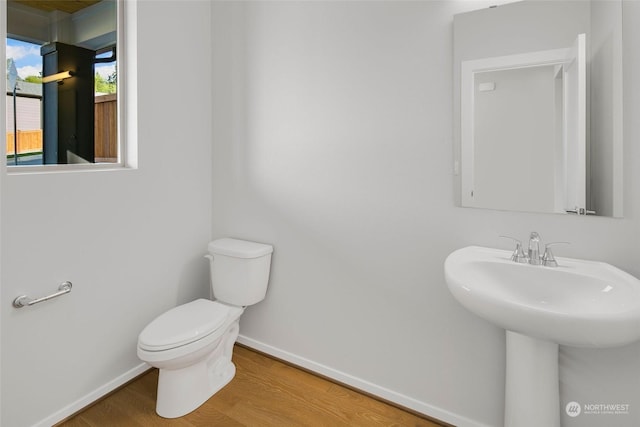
{"x":239,"y":248}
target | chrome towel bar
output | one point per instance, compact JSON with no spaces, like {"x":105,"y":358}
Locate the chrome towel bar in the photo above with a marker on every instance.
{"x":23,"y":300}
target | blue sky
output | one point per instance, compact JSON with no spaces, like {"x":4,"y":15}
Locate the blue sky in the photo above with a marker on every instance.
{"x":29,"y":62}
{"x":26,"y":56}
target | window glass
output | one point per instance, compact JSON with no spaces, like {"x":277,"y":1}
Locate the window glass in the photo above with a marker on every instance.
{"x":62,"y":83}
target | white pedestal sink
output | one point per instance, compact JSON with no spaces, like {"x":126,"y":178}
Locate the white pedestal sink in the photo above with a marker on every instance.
{"x":579,"y":303}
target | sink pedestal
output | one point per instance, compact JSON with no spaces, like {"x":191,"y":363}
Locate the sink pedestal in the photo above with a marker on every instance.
{"x":532,"y":397}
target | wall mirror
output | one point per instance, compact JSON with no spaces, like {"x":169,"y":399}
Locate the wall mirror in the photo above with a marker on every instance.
{"x":538,"y":96}
{"x":62,"y":82}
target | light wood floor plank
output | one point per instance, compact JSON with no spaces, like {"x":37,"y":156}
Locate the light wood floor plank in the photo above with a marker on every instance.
{"x":265,"y":392}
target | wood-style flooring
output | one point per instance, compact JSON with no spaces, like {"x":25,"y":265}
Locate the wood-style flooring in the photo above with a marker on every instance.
{"x":264,"y":392}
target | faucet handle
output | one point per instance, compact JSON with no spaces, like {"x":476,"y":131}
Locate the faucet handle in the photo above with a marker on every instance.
{"x":548,"y":260}
{"x":518,"y":254}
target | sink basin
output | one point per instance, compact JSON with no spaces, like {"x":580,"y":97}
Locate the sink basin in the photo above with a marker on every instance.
{"x":579,"y":303}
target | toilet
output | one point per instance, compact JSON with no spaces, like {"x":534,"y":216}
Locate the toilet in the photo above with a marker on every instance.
{"x":191,"y":344}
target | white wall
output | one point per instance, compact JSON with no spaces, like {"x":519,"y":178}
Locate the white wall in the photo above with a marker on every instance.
{"x":333,"y":131}
{"x":130,"y":241}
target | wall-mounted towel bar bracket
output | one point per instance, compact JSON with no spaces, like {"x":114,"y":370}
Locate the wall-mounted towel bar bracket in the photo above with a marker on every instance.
{"x":23,"y":300}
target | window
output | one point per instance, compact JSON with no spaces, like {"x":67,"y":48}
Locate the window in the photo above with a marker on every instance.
{"x":64,"y":104}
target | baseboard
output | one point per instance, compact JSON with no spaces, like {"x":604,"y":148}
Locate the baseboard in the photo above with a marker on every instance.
{"x":92,"y":397}
{"x":363,"y":385}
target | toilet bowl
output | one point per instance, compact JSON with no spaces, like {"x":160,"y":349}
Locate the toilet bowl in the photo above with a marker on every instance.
{"x":192,"y":344}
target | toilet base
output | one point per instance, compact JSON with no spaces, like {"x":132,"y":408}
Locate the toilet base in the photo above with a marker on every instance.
{"x":181,"y":391}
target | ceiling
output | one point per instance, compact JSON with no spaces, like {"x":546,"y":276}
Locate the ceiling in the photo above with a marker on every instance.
{"x":68,"y":6}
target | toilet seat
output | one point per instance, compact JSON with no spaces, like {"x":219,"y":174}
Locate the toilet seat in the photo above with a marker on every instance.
{"x":184,"y":324}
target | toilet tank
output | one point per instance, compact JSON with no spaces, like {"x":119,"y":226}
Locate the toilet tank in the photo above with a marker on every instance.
{"x":239,"y":270}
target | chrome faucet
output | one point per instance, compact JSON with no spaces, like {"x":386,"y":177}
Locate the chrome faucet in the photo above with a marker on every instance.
{"x":533,"y":255}
{"x":534,"y":249}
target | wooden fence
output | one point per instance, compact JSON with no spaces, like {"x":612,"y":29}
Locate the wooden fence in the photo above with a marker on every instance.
{"x":106,"y":137}
{"x":29,"y":141}
{"x":106,"y":133}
